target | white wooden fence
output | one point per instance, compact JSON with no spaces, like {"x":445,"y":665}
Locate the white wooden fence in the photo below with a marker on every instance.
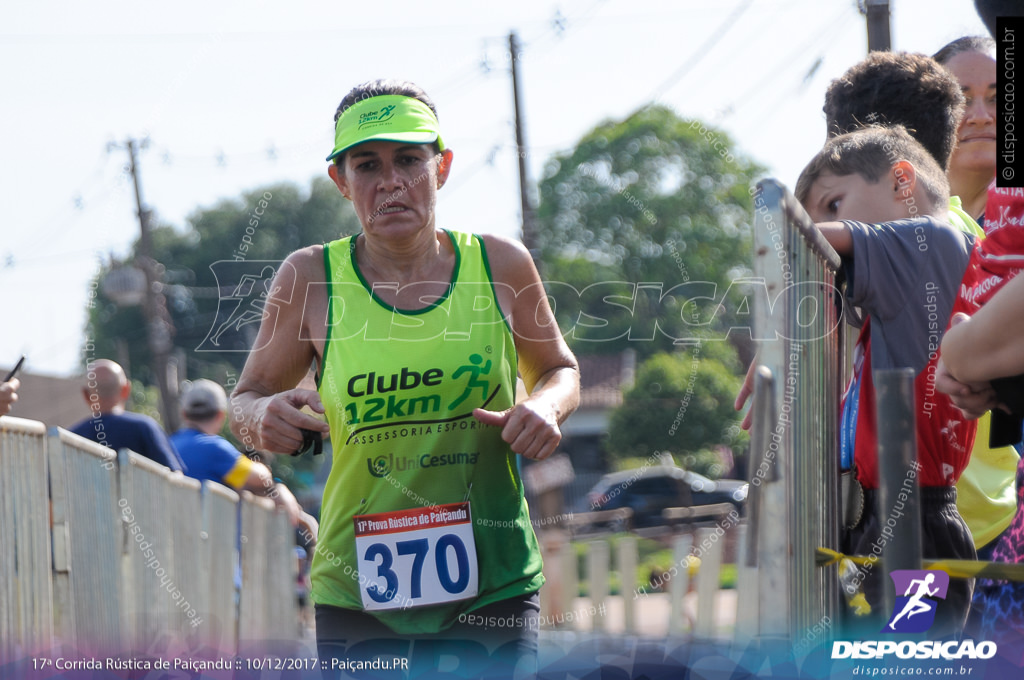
{"x":657,"y":612}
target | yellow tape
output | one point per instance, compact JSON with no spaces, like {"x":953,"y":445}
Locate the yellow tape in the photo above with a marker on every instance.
{"x":955,"y":568}
{"x":860,"y":605}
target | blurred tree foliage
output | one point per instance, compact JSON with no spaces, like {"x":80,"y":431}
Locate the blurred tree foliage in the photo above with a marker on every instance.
{"x":289,"y":221}
{"x":255,"y":231}
{"x":653,"y":200}
{"x":681,"y":403}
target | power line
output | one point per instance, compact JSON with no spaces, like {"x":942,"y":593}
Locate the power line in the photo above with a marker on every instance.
{"x":90,"y":187}
{"x":817,"y":36}
{"x":464,"y":82}
{"x":558,"y":26}
{"x":698,"y":55}
{"x":555,"y":31}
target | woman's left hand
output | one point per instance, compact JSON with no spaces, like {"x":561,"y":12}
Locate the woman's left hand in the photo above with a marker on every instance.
{"x":529,"y":427}
{"x":550,"y":373}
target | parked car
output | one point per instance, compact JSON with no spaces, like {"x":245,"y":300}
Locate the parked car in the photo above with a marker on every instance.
{"x":648,"y":491}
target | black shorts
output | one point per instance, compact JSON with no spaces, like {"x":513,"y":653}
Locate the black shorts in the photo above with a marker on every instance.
{"x":944,"y":534}
{"x":499,"y":640}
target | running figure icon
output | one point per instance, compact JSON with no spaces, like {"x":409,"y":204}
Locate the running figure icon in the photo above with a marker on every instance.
{"x":475,"y":371}
{"x":914,"y":604}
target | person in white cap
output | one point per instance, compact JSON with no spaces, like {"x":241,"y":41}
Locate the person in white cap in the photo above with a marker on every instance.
{"x":210,"y":456}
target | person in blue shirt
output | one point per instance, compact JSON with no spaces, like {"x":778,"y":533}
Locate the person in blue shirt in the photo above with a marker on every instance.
{"x":210,"y":456}
{"x":106,"y":392}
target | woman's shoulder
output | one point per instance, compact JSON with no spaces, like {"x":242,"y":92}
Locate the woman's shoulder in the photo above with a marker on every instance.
{"x":510,"y":262}
{"x":508,"y":257}
{"x":305,"y":264}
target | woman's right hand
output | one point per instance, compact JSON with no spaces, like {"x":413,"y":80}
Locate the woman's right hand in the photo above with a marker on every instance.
{"x":973,"y":399}
{"x":279,"y":420}
{"x":265,"y":414}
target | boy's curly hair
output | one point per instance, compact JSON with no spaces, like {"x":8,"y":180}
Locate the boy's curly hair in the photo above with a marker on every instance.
{"x":898,"y":88}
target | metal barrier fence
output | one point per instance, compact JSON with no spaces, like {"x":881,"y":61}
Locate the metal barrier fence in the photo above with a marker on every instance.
{"x":103,"y":553}
{"x":794,"y":502}
{"x":261,"y":612}
{"x":26,"y":594}
{"x":86,"y":542}
{"x":220,"y":527}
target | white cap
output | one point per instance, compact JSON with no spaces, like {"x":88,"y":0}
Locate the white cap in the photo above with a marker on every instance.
{"x":203,"y":399}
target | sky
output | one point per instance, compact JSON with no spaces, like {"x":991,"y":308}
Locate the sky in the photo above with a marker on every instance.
{"x":235,"y":96}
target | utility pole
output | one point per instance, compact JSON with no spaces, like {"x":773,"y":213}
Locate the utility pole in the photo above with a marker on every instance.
{"x":154,"y":305}
{"x":529,"y":225}
{"x":877,"y":11}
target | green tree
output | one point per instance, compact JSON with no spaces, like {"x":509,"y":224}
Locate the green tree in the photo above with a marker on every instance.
{"x":259,"y":228}
{"x":681,"y":403}
{"x":654,"y":200}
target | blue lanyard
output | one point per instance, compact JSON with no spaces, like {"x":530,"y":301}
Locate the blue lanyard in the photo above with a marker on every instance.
{"x":848,"y":427}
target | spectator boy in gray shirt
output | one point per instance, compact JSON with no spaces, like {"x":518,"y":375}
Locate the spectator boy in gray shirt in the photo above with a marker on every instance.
{"x":904,"y":265}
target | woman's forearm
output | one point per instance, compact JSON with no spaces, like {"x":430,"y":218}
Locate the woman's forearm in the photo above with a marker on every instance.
{"x":991,"y":344}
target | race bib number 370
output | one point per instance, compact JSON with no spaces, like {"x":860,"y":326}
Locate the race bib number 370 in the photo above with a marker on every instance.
{"x":412,"y":558}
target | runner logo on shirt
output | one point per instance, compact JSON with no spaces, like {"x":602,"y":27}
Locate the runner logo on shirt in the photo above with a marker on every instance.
{"x":475,"y":370}
{"x":386,"y":400}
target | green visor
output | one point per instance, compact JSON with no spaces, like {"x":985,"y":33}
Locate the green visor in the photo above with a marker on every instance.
{"x":388,"y":118}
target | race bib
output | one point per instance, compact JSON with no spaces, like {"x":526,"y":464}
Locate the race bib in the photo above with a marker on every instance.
{"x":418,"y":557}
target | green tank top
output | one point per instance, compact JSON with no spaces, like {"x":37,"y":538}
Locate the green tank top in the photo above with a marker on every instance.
{"x":399,"y":388}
